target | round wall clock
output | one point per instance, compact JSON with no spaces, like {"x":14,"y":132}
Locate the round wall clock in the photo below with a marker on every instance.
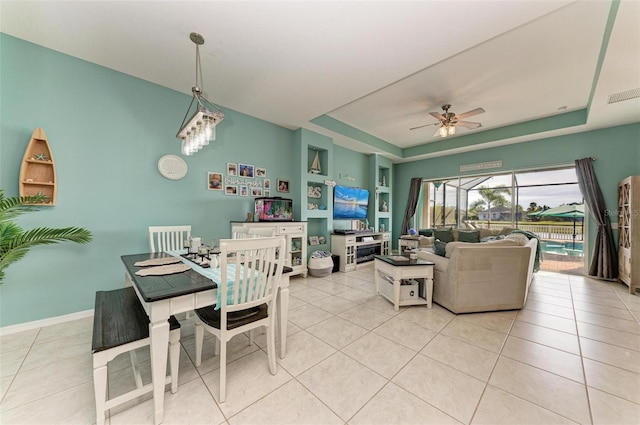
{"x":172,"y":167}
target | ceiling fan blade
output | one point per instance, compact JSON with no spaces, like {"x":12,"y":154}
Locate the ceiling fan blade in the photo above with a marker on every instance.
{"x":437,"y":133}
{"x":468,"y":124}
{"x":437,"y":116}
{"x":470,"y":113}
{"x":426,"y":125}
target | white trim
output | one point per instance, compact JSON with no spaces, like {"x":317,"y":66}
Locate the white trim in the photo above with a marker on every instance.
{"x":21,"y":327}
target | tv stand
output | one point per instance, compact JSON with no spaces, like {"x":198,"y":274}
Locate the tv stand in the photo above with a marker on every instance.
{"x":359,"y":248}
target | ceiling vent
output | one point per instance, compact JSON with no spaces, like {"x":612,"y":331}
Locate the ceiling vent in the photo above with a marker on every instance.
{"x":622,"y":96}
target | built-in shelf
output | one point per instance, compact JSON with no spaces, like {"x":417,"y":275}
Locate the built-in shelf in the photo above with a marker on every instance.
{"x":381,"y":175}
{"x":316,"y":211}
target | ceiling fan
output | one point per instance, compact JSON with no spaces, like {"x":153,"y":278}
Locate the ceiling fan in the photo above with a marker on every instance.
{"x":449,"y":120}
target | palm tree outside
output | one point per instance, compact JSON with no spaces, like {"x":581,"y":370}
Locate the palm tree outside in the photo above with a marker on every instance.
{"x":493,"y":197}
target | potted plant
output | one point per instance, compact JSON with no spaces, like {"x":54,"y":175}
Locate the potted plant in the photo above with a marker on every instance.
{"x":16,"y":242}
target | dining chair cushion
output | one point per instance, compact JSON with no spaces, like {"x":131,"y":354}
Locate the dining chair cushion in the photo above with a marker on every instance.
{"x":235,"y":319}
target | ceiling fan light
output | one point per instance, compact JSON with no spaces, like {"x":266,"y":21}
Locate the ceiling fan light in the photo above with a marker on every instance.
{"x":443,"y":131}
{"x":452,"y":130}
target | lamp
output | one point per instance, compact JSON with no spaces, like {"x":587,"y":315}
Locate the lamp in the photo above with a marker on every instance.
{"x":200,"y":129}
{"x":446,"y":130}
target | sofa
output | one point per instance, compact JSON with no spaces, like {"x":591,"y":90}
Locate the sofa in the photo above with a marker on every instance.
{"x":488,"y":276}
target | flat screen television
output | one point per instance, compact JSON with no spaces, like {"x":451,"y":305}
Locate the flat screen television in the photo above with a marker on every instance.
{"x":350,"y":203}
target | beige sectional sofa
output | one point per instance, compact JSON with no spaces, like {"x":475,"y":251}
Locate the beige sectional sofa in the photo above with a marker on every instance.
{"x":488,"y":276}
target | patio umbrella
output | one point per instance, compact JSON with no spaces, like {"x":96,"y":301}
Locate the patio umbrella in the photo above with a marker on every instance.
{"x":570,"y":210}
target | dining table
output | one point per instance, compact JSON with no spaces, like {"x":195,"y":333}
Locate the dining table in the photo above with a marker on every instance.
{"x":170,"y":294}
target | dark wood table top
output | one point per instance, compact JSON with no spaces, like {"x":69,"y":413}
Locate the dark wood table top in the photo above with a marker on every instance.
{"x":156,"y":288}
{"x":394,"y":260}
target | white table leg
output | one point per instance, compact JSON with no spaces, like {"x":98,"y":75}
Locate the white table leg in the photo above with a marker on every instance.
{"x":159,"y":333}
{"x":429,"y":283}
{"x":283,"y":315}
{"x":396,"y":294}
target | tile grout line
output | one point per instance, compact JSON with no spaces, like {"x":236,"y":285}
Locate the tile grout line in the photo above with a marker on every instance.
{"x":584,"y":372}
{"x":15,"y":375}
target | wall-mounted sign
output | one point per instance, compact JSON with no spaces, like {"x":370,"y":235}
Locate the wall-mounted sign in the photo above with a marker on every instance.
{"x":481,"y":166}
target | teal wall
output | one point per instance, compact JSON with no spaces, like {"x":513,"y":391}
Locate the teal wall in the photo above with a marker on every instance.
{"x":352,"y":164}
{"x":616,"y":150}
{"x":107,"y":131}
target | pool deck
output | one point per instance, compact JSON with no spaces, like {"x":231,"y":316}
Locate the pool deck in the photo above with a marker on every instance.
{"x":558,"y":263}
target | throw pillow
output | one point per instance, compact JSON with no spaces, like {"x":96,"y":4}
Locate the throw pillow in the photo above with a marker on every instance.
{"x":444,"y":234}
{"x":425,"y":232}
{"x":492,"y":238}
{"x":439,"y":248}
{"x":472,"y":236}
{"x":425,"y":241}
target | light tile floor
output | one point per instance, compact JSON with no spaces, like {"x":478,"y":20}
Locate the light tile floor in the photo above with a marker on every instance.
{"x":570,"y":356}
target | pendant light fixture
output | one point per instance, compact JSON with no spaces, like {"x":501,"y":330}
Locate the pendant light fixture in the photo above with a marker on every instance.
{"x":200,"y":128}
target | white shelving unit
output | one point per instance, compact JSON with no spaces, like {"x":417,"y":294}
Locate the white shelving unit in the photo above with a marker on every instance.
{"x":295,"y":232}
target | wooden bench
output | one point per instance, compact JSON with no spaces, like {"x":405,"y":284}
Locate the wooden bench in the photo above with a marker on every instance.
{"x":121,"y":325}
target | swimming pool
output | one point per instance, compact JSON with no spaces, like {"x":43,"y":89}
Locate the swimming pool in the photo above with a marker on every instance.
{"x":562,"y":247}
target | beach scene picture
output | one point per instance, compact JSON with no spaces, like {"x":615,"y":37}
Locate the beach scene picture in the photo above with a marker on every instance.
{"x":350,"y":203}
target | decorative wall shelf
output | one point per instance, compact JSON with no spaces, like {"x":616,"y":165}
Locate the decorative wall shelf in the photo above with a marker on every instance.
{"x":38,"y":170}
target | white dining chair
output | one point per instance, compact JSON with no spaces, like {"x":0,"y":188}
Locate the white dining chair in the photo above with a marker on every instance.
{"x":250,"y":277}
{"x":168,"y":238}
{"x":262,"y":232}
{"x":240,"y":232}
{"x":247,"y":232}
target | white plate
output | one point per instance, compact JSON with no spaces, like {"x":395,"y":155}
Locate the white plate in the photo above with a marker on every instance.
{"x":172,"y":167}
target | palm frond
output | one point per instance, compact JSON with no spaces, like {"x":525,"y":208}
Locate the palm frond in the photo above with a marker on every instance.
{"x":15,"y":242}
{"x":48,"y":236}
{"x":12,"y":207}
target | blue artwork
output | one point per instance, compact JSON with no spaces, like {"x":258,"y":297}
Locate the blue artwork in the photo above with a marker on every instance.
{"x":350,"y":203}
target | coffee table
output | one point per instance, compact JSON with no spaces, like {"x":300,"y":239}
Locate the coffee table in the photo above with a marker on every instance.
{"x":392,"y":269}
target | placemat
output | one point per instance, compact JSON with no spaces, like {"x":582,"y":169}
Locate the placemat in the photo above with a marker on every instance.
{"x":158,"y":262}
{"x":164,"y":270}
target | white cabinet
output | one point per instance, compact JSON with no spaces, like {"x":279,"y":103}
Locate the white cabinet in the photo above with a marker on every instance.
{"x":359,"y":248}
{"x":629,"y":232}
{"x":295,"y":232}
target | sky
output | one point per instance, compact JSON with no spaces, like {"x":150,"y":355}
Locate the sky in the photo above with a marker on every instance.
{"x":551,"y":196}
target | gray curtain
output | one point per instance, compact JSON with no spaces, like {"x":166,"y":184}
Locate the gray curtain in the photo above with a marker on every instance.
{"x":604,"y":264}
{"x":412,"y":202}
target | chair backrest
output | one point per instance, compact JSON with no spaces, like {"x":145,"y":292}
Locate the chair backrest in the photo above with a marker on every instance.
{"x":240,"y":232}
{"x":250,"y":273}
{"x":262,"y":232}
{"x":168,"y":238}
{"x":247,"y":232}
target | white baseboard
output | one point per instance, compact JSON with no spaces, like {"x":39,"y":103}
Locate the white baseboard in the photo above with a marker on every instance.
{"x":21,"y":327}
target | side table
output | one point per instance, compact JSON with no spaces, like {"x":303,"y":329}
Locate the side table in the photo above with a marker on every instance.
{"x":397,"y":268}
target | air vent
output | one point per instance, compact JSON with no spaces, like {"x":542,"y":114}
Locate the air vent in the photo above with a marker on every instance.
{"x":622,"y":96}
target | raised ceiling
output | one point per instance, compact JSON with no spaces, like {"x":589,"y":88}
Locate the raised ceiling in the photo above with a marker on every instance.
{"x":365,"y":72}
